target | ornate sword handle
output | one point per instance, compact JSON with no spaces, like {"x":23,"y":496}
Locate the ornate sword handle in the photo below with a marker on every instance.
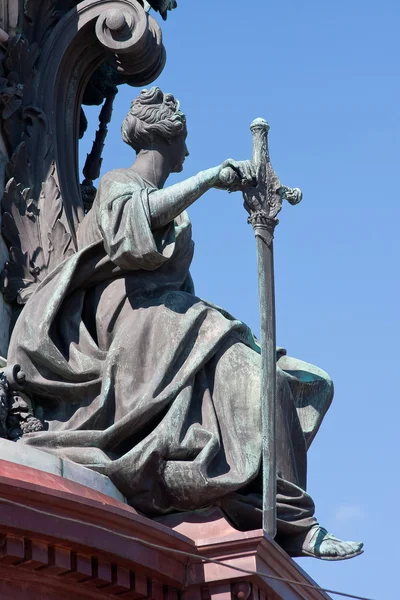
{"x":260,"y":128}
{"x":259,"y":200}
{"x":264,"y":201}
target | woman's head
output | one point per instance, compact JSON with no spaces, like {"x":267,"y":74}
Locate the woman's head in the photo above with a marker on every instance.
{"x":153,"y":119}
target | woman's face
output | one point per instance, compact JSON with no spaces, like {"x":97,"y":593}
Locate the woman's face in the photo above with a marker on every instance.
{"x":178,"y":151}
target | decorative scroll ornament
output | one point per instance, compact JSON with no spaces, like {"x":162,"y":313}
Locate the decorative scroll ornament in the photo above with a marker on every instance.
{"x":128,"y":31}
{"x":47,"y":69}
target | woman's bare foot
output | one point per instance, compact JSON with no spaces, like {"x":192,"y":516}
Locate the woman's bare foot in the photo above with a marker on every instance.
{"x":318,"y":543}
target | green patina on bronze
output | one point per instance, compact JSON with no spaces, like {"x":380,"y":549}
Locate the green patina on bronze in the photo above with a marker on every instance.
{"x":137,"y":377}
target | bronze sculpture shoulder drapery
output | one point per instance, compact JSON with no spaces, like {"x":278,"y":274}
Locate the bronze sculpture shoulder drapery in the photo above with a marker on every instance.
{"x":137,"y":377}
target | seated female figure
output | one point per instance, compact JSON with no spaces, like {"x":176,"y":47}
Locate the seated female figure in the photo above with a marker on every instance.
{"x":142,"y":380}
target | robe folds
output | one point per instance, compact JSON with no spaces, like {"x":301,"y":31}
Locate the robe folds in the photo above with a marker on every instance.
{"x":138,"y":378}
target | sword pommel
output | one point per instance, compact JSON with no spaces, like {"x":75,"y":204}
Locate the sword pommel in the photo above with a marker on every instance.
{"x":259,"y":129}
{"x":292,"y":195}
{"x":261,"y":124}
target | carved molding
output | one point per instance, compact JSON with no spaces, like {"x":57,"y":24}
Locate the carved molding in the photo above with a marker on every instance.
{"x":83,"y":575}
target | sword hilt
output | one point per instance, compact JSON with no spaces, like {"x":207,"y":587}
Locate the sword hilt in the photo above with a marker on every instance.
{"x":264,"y":202}
{"x":260,"y":128}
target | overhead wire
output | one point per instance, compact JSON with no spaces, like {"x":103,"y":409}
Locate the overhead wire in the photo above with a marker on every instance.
{"x":184,"y":553}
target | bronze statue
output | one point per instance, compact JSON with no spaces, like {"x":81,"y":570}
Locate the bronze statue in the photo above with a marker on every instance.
{"x":138,"y":378}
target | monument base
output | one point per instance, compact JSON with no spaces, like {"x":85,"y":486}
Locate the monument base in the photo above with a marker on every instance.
{"x":60,"y":539}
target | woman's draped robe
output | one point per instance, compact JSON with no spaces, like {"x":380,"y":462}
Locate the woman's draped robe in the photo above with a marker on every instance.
{"x":140,"y":379}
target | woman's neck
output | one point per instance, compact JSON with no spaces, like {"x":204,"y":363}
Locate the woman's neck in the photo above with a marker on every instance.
{"x":152,"y":166}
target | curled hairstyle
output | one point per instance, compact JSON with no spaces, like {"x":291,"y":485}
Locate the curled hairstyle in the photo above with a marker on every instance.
{"x":153,"y":115}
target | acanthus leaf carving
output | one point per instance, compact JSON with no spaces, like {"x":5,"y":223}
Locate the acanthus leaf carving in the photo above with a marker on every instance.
{"x":57,"y":242}
{"x":41,"y":17}
{"x":30,"y":162}
{"x":21,"y":61}
{"x":10,"y":96}
{"x":37,"y":234}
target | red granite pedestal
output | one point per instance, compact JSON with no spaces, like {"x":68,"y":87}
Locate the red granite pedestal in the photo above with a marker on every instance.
{"x":61,"y":540}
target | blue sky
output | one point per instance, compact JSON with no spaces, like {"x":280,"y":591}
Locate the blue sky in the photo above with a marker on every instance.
{"x":326,"y":77}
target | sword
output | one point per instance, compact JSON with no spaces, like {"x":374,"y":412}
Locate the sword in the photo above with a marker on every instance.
{"x":263,"y":203}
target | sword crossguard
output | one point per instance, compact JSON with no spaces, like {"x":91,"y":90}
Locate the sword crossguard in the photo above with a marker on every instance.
{"x":264,"y":201}
{"x":292,"y":195}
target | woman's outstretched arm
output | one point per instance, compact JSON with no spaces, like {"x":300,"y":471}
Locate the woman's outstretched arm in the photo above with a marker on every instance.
{"x":166,"y":204}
